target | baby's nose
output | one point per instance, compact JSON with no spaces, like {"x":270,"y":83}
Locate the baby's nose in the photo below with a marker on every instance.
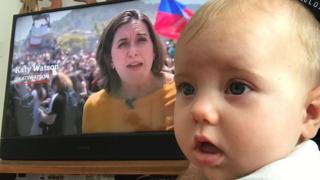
{"x":203,"y":110}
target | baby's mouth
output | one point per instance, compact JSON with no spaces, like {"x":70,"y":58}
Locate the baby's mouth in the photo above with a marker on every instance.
{"x":207,"y":147}
{"x":207,"y":153}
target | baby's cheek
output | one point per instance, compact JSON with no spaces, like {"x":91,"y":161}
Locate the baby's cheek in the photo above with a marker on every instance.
{"x":183,"y":132}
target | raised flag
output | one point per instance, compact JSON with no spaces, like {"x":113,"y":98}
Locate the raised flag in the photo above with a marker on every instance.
{"x":171,"y":18}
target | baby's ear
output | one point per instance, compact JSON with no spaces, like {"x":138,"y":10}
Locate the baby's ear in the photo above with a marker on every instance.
{"x":312,"y":121}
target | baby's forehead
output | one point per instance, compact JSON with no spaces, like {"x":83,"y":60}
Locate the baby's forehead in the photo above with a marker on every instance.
{"x":241,"y":21}
{"x":244,"y":21}
{"x":255,"y":26}
{"x":245,"y":27}
{"x":243,"y":14}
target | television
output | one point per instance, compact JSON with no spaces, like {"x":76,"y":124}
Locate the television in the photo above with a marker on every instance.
{"x":45,"y":43}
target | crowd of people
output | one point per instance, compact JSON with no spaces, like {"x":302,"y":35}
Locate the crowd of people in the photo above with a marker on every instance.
{"x":76,"y":73}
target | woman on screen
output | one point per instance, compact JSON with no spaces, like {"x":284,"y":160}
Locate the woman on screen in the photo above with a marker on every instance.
{"x":136,"y":94}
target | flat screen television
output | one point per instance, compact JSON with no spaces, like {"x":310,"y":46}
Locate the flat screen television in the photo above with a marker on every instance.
{"x":45,"y":43}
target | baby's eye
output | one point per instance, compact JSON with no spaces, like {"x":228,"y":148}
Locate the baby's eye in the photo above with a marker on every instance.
{"x":186,"y":89}
{"x":237,"y":88}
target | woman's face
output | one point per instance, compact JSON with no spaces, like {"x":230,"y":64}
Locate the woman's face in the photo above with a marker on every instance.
{"x":132,"y":52}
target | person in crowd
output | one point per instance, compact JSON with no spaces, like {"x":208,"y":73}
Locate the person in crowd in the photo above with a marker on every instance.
{"x":171,"y":49}
{"x":168,"y":65}
{"x":248,"y":90}
{"x":59,"y":120}
{"x":79,"y":84}
{"x":92,"y":77}
{"x":169,"y":62}
{"x":96,"y":82}
{"x":38,"y":94}
{"x":136,"y":94}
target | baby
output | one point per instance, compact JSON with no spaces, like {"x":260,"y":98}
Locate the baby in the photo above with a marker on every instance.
{"x":248,"y":90}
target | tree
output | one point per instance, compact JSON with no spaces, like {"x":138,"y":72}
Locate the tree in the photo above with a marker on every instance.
{"x":72,"y":42}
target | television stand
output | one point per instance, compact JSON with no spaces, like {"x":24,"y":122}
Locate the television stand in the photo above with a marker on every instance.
{"x":158,"y":167}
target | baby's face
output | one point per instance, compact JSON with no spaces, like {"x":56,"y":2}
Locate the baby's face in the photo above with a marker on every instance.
{"x":240,"y":98}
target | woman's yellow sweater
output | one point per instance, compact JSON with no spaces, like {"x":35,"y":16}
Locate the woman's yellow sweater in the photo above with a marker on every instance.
{"x":154,"y":112}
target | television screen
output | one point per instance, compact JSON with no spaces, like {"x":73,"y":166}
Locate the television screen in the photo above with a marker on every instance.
{"x":94,"y":82}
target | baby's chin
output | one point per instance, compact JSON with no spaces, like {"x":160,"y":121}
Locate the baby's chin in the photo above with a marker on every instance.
{"x":216,"y":173}
{"x":222,"y":171}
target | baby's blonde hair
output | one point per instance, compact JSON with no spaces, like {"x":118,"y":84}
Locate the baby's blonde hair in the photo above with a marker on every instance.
{"x":308,"y":31}
{"x":305,"y":27}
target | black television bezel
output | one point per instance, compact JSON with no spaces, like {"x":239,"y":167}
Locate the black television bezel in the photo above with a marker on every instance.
{"x":102,"y":146}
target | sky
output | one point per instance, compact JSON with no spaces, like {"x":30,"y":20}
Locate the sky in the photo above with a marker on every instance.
{"x":26,"y":22}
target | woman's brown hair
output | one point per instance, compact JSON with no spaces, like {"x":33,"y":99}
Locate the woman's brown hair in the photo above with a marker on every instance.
{"x":62,"y":82}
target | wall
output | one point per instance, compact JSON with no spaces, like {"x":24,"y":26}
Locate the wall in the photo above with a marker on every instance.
{"x":7,"y":10}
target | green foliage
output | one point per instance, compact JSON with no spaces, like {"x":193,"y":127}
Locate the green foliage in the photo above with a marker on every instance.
{"x":72,"y":42}
{"x":99,"y":27}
